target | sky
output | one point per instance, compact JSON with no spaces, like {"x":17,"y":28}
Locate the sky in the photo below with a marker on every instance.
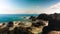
{"x":27,"y":6}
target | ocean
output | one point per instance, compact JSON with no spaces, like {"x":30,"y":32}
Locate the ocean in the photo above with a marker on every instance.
{"x":14,"y":17}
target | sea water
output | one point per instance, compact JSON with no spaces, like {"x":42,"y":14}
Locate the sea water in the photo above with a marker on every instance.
{"x":14,"y":17}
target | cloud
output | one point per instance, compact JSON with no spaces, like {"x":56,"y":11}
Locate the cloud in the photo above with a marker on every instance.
{"x":50,"y":10}
{"x":53,"y":9}
{"x":20,"y":11}
{"x":35,"y":10}
{"x":8,"y":10}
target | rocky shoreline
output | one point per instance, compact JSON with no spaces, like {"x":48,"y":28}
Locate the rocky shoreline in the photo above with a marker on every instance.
{"x":7,"y":27}
{"x":18,"y":27}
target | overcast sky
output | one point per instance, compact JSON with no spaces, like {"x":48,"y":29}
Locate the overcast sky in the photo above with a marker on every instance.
{"x":27,"y":6}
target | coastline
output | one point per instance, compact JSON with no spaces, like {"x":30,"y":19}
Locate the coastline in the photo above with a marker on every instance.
{"x":34,"y":30}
